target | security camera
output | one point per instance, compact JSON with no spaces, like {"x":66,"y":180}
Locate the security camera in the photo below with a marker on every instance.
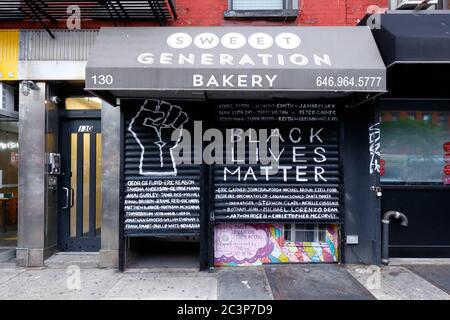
{"x":26,"y":86}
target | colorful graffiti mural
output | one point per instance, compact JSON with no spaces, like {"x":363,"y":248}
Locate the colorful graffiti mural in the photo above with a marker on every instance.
{"x":252,"y":245}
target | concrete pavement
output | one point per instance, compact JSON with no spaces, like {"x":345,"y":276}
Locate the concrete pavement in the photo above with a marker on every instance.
{"x":396,"y":283}
{"x":315,"y":282}
{"x":77,"y":277}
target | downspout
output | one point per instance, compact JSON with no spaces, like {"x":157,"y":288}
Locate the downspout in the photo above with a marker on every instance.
{"x":393,"y":4}
{"x":387,"y":216}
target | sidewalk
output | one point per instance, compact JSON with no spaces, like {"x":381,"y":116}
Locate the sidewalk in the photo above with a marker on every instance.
{"x":76,"y":277}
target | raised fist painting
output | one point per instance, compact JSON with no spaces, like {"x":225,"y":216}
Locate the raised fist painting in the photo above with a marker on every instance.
{"x":153,"y":127}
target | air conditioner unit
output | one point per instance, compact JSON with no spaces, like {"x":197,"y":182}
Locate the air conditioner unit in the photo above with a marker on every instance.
{"x":6,"y":97}
{"x":415,"y":4}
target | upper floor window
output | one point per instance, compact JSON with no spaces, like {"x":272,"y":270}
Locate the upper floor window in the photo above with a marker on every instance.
{"x":257,"y":4}
{"x":286,"y":9}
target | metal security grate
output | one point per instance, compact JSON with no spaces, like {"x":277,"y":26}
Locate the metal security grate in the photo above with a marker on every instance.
{"x":57,"y":10}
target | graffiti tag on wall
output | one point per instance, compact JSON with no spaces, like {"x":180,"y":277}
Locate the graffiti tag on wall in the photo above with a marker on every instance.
{"x":374,"y":148}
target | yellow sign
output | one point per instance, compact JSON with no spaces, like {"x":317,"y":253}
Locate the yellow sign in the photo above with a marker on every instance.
{"x":9,"y":54}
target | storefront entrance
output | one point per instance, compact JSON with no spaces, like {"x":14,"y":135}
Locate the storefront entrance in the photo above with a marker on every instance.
{"x":80,"y":185}
{"x":415,"y":175}
{"x":415,"y":131}
{"x":217,"y":110}
{"x":213,"y":181}
{"x":161,"y":197}
{"x":9,"y":148}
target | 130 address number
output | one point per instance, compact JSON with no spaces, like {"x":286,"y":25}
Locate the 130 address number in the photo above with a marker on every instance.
{"x":103,"y":79}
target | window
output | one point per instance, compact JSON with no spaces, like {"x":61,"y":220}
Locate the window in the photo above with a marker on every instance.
{"x":412,"y":147}
{"x":305,"y":232}
{"x":257,"y":4}
{"x":285,"y":9}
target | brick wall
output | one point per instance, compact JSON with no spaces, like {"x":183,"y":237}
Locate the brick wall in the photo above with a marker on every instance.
{"x":312,"y":12}
{"x":210,"y":13}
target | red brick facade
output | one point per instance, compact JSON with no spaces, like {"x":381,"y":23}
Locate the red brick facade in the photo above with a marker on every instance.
{"x":210,"y":13}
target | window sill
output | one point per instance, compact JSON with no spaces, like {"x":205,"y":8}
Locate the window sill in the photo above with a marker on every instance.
{"x":290,"y":14}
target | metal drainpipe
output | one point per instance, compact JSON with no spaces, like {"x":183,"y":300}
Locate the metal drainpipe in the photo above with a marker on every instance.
{"x":392,"y":4}
{"x":387,"y":216}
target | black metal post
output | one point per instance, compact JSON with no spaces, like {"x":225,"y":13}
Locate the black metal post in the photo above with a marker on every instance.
{"x":122,"y":246}
{"x":4,"y":217}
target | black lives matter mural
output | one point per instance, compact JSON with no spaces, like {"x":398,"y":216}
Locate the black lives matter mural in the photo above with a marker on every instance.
{"x":306,"y":186}
{"x":160,"y":196}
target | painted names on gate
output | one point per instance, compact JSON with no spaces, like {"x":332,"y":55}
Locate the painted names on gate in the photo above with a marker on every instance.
{"x":162,"y":204}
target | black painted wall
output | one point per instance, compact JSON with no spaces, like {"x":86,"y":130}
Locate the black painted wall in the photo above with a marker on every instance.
{"x":362,"y":207}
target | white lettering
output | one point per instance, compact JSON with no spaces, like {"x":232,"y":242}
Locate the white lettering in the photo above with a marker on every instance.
{"x":256,"y":80}
{"x":206,"y":40}
{"x":315,"y":135}
{"x":318,"y":171}
{"x":242,"y":80}
{"x":197,"y":80}
{"x":266,"y":171}
{"x":226,"y":59}
{"x":295,"y":154}
{"x":324,"y":59}
{"x":231,"y":81}
{"x":298,"y":59}
{"x":285,"y":169}
{"x":260,"y":41}
{"x":227,"y":81}
{"x":265,"y":58}
{"x":207,"y":58}
{"x":190,"y":59}
{"x":250,"y":171}
{"x":246,"y":60}
{"x":320,"y":151}
{"x":166,"y":58}
{"x":237,"y":171}
{"x":299,"y":173}
{"x":145,"y":58}
{"x":287,"y":40}
{"x":271,"y":79}
{"x":212,"y":82}
{"x":179,"y":40}
{"x":299,"y":135}
{"x":233,"y":40}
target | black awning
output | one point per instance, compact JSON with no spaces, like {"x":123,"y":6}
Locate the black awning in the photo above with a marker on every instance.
{"x":312,"y":60}
{"x":414,"y":37}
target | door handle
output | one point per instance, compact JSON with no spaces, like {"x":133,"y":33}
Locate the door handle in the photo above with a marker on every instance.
{"x":67,"y":198}
{"x":377,"y":191}
{"x":72,"y":197}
